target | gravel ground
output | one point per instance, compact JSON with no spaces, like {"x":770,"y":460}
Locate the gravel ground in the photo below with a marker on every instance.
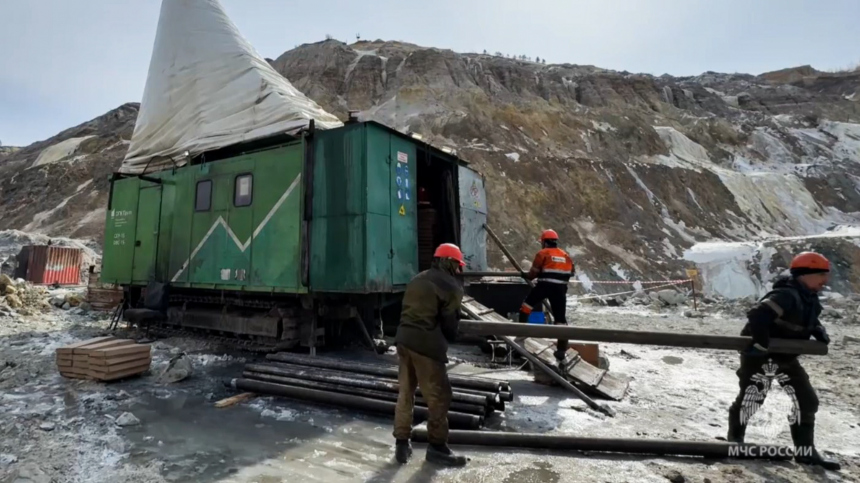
{"x":58,"y":430}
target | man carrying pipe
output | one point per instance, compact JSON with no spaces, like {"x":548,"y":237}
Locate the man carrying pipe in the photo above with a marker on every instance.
{"x":790,"y":310}
{"x":552,"y":267}
{"x":431,"y":307}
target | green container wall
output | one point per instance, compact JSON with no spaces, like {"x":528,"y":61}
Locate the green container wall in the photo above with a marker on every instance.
{"x":363,"y":231}
{"x":154,"y":233}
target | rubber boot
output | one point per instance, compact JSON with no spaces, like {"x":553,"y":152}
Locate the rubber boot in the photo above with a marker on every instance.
{"x":402,"y":451}
{"x":736,"y":429}
{"x":803,"y":436}
{"x":442,"y":455}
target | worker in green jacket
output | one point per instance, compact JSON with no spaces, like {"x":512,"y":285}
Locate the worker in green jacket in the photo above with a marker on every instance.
{"x":431,"y":307}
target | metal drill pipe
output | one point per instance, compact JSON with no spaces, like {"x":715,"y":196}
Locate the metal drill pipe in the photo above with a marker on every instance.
{"x":357,"y":391}
{"x":457,"y":380}
{"x":667,"y":339}
{"x":358,"y":380}
{"x":347,"y":401}
{"x":705,"y":449}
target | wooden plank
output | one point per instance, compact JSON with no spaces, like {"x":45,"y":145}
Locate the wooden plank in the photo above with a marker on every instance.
{"x":104,"y":345}
{"x":120,"y":375}
{"x":96,"y":362}
{"x":121,"y":351}
{"x":69,"y":349}
{"x":232,"y":400}
{"x":64,"y":363}
{"x":104,"y":370}
{"x":613,"y":386}
{"x":120,"y":367}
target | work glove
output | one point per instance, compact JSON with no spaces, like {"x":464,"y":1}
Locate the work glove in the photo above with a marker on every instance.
{"x":755,"y":350}
{"x":820,"y":334}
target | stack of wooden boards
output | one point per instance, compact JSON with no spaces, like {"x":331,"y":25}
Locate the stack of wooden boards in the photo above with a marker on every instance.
{"x":103,"y":359}
{"x":102,"y":296}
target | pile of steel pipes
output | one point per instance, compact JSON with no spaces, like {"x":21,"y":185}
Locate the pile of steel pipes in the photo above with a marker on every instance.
{"x":368,"y":387}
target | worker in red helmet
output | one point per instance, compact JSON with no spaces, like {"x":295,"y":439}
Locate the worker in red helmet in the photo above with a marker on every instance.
{"x":429,"y":320}
{"x":789,"y":311}
{"x":552,"y":268}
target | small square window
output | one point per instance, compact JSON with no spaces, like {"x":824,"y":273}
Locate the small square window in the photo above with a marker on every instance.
{"x":244,"y":190}
{"x":203,"y":200}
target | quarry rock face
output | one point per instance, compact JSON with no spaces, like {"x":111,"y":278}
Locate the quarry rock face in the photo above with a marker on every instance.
{"x":631,"y":170}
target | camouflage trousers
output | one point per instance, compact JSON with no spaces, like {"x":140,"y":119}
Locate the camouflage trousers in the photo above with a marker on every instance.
{"x":756,"y":374}
{"x":417,"y":371}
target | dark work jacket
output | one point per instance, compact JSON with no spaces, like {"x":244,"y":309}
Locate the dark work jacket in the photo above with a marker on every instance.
{"x":788,"y":311}
{"x":431,"y":309}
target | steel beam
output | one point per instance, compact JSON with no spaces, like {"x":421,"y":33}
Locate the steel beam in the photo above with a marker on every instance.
{"x":457,"y":380}
{"x":667,"y":339}
{"x":705,"y":449}
{"x":347,"y":401}
{"x":458,"y":407}
{"x":357,"y":380}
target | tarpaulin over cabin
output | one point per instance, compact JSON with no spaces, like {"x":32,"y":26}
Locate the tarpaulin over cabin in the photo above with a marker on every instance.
{"x":208,"y":88}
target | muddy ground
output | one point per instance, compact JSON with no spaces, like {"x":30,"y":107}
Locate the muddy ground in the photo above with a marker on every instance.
{"x":58,"y":430}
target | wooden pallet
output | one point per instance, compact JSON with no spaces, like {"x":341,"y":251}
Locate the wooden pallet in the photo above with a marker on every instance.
{"x":593,"y":379}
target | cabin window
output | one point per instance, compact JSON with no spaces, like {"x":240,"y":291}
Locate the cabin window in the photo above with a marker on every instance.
{"x":244,"y":190}
{"x":203,"y":200}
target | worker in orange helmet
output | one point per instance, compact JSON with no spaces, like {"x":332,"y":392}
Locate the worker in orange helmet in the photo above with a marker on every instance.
{"x":789,"y":311}
{"x":552,"y":268}
{"x":428,"y":321}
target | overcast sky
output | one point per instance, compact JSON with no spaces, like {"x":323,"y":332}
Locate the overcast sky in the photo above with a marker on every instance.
{"x":63,"y":62}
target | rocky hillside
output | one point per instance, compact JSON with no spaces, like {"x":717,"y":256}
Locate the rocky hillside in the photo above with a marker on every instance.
{"x":630,"y":169}
{"x":60,"y":186}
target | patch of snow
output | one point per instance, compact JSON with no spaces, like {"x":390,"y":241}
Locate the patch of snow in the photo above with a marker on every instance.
{"x":725,"y":268}
{"x":848,"y":136}
{"x":515,"y":157}
{"x":620,"y":271}
{"x":584,"y":280}
{"x":603,"y":126}
{"x":776,"y":201}
{"x":771,"y":147}
{"x":693,"y":197}
{"x":41,"y":217}
{"x":60,"y":151}
{"x":94,"y":216}
{"x":683,"y":151}
{"x":83,"y":185}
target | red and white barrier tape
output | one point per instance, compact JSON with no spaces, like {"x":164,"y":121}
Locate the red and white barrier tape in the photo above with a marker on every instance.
{"x":631,"y":291}
{"x":627,"y":282}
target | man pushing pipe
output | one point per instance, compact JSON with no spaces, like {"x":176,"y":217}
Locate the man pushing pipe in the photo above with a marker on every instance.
{"x":431,"y":307}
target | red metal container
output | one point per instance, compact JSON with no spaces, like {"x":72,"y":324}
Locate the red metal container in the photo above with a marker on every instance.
{"x":48,"y":265}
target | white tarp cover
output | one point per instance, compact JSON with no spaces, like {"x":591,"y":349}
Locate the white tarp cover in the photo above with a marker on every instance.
{"x":208,"y":88}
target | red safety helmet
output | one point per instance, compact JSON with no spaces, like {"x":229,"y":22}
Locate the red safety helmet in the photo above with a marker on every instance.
{"x":810,"y":262}
{"x":449,"y":250}
{"x":548,"y":235}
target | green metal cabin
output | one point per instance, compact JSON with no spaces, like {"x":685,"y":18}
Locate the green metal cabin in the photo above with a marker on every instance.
{"x":329,"y":212}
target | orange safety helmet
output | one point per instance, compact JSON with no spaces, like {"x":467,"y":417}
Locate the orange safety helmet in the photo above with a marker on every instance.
{"x":449,"y":250}
{"x":548,"y":235}
{"x":810,"y":262}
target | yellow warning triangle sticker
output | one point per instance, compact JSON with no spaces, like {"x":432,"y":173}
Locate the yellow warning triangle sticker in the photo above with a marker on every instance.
{"x":402,"y":210}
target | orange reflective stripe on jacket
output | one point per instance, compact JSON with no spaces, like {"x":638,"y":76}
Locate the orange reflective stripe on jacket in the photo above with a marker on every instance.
{"x":555,"y":266}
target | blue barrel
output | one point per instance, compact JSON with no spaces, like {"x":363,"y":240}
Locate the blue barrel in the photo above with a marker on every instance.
{"x":537,"y":318}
